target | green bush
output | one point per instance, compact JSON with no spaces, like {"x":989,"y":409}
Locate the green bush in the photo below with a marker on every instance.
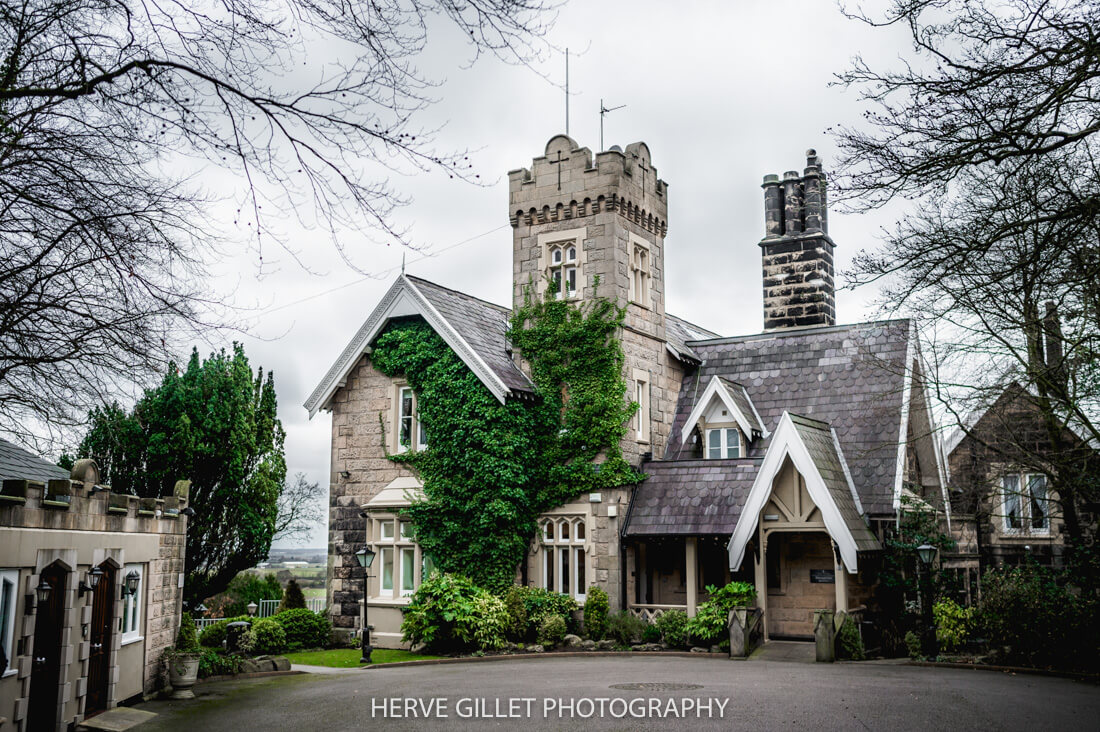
{"x":913,"y":645}
{"x":492,"y":621}
{"x":624,"y":627}
{"x":293,"y":599}
{"x":551,"y":630}
{"x":595,"y":613}
{"x":213,"y":636}
{"x":449,"y":613}
{"x":673,"y":625}
{"x":516,"y":628}
{"x":266,"y":636}
{"x":304,"y":629}
{"x":651,"y":634}
{"x":540,"y":603}
{"x":214,"y":663}
{"x":953,"y":624}
{"x":711,"y":621}
{"x":246,"y":587}
{"x":187,"y":639}
{"x":849,"y":643}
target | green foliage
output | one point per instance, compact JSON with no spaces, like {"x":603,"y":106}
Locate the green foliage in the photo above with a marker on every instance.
{"x":187,"y":639}
{"x":215,"y":424}
{"x":1039,"y":621}
{"x":624,"y":627}
{"x":304,"y":629}
{"x":246,"y":587}
{"x":493,"y":468}
{"x":516,"y":628}
{"x":913,"y":645}
{"x":651,"y":634}
{"x":849,"y":643}
{"x":214,"y":663}
{"x":711,"y":620}
{"x":213,"y":635}
{"x":953,"y":623}
{"x":293,"y":599}
{"x":265,"y":636}
{"x":449,"y":613}
{"x":595,"y":613}
{"x":492,"y":621}
{"x":551,"y":630}
{"x":541,"y":602}
{"x":673,"y":625}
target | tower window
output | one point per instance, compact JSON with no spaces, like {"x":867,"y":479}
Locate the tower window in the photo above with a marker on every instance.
{"x":639,"y":272}
{"x":563,"y":271}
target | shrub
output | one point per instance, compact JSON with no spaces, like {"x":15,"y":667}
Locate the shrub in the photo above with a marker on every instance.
{"x":711,"y":620}
{"x":541,"y":602}
{"x":491,"y":621}
{"x":213,"y":636}
{"x":953,"y":624}
{"x":187,"y":639}
{"x":450,"y":613}
{"x":912,"y":643}
{"x":595,"y":613}
{"x":246,"y":587}
{"x":624,"y":627}
{"x":516,"y":628}
{"x":849,"y":643}
{"x":304,"y":629}
{"x":551,"y":630}
{"x":673,"y":625}
{"x":213,"y":663}
{"x":264,"y":637}
{"x":651,"y":634}
{"x":293,"y":599}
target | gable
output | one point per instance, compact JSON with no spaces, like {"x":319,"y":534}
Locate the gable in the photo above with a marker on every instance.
{"x":722,"y":402}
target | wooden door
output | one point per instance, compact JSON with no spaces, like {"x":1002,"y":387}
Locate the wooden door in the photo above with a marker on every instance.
{"x":46,"y":666}
{"x":102,"y":634}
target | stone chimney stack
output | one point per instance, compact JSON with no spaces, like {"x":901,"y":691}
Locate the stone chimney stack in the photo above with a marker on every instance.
{"x":799,"y":291}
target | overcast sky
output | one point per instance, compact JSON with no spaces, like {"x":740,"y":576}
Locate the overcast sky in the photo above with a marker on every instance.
{"x":722,"y":92}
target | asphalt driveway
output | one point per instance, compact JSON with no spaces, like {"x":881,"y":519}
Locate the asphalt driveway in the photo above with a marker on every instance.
{"x":624,"y":693}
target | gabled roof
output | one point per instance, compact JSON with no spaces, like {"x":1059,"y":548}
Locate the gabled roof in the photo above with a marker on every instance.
{"x":736,"y":401}
{"x":814,"y":449}
{"x":473,"y":328}
{"x":690,"y":497}
{"x":18,"y":464}
{"x":855,"y":377}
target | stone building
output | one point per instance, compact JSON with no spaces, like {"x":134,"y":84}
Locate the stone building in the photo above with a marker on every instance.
{"x":72,"y":650}
{"x":779,"y":458}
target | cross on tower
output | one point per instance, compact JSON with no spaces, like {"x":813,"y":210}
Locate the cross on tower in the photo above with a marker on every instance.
{"x":644,"y":169}
{"x":558,"y":163}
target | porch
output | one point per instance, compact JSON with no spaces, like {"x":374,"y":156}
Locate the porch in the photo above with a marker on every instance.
{"x":672,"y":572}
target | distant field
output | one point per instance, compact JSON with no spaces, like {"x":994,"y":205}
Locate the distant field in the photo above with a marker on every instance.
{"x":313,"y":593}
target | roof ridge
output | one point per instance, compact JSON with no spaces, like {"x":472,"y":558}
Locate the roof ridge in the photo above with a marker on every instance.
{"x":801,"y":418}
{"x":685,"y":321}
{"x":466,"y":295}
{"x":791,"y":332}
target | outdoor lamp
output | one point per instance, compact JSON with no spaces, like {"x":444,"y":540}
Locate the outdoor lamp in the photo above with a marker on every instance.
{"x":200,"y":608}
{"x":927,"y":553}
{"x":252,"y":608}
{"x":94,"y":576}
{"x":42,"y":592}
{"x":365,"y":557}
{"x":929,"y":643}
{"x":132,"y":580}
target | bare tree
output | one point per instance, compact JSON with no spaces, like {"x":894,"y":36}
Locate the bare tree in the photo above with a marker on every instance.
{"x":111,"y":109}
{"x":300,"y":508}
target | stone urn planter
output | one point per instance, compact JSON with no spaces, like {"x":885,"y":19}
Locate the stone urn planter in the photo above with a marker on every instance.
{"x":183,"y":672}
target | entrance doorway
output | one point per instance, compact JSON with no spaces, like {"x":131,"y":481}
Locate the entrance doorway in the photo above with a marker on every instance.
{"x":99,"y":655}
{"x":46,"y":666}
{"x":800,"y":579}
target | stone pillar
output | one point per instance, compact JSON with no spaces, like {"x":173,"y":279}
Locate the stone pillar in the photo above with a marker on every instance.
{"x":811,"y":192}
{"x":773,"y":206}
{"x":841,"y":576}
{"x":792,"y":203}
{"x":824,"y":636}
{"x":691,"y":578}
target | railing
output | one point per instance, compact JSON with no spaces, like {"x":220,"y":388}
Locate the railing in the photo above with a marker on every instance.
{"x":266,"y":609}
{"x":650,"y":612}
{"x":201,"y":623}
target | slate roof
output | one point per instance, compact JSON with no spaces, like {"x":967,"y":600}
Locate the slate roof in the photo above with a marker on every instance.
{"x":851,"y":376}
{"x":740,"y":397}
{"x":17,"y":463}
{"x":482,"y":324}
{"x":678,"y":332}
{"x":690,"y":497}
{"x":818,"y":439}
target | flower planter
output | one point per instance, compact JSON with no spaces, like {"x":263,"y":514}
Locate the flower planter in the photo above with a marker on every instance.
{"x":183,"y":672}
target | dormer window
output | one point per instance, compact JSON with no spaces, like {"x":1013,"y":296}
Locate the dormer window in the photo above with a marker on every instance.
{"x":723,"y":443}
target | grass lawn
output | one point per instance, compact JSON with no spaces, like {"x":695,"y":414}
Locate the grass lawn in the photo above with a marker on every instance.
{"x":349,"y":657}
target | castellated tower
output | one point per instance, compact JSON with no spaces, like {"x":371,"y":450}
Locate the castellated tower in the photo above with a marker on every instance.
{"x":797,"y":252}
{"x":575,"y":219}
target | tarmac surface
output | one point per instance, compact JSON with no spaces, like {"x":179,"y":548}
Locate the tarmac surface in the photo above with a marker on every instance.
{"x":639,"y":693}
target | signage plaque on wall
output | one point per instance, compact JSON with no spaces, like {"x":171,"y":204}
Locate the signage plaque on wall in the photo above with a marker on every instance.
{"x":822,"y":576}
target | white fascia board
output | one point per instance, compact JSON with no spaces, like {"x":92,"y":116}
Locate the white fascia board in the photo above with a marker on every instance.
{"x":786,"y":442}
{"x":716,"y":387}
{"x":402,"y":299}
{"x":903,"y":430}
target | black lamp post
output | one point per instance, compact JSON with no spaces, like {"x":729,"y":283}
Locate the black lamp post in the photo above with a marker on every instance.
{"x":929,"y":646}
{"x":366,"y":558}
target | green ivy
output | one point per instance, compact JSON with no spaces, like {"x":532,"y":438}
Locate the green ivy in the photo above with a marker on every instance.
{"x":493,"y":468}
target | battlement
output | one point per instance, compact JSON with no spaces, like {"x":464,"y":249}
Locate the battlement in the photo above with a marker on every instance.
{"x":567,"y":183}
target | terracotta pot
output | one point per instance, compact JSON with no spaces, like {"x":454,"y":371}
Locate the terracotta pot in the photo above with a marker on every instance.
{"x":183,"y":672}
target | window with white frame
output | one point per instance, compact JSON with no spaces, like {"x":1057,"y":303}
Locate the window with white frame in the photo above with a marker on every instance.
{"x":1025,"y":503}
{"x":639,"y":272}
{"x":9,"y":594}
{"x":564,"y":568}
{"x":564,"y":269}
{"x":399,"y":563}
{"x":641,"y":396}
{"x":132,"y":604}
{"x":724,"y":442}
{"x":409,"y":426}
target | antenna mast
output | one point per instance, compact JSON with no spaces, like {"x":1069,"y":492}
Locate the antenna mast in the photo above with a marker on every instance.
{"x":603,"y":111}
{"x":567,"y":92}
